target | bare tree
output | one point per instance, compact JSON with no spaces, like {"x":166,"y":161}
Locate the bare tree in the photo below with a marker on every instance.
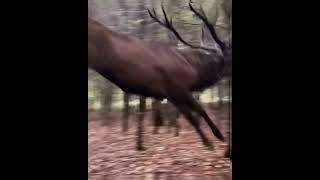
{"x":126,"y":112}
{"x":157,"y":115}
{"x":140,"y":129}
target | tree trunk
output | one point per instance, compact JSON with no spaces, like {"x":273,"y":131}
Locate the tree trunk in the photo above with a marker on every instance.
{"x":157,"y":116}
{"x":108,"y":98}
{"x":228,"y":153}
{"x":197,"y":97}
{"x":142,"y":108}
{"x":212,"y":98}
{"x":172,"y":115}
{"x":175,"y":123}
{"x":126,"y":112}
{"x":219,"y":95}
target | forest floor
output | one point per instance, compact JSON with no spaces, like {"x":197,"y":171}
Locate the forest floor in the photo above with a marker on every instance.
{"x":112,"y":154}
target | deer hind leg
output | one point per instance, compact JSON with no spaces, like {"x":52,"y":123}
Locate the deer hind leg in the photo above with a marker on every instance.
{"x":195,"y":123}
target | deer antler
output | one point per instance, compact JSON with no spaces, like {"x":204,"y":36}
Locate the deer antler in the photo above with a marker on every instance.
{"x":169,"y":25}
{"x":204,"y":18}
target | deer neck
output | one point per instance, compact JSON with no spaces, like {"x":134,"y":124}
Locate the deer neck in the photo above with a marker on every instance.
{"x":209,"y":67}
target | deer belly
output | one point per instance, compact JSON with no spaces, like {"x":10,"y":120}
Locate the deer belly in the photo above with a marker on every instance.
{"x":137,"y":88}
{"x":135,"y":82}
{"x":141,"y":90}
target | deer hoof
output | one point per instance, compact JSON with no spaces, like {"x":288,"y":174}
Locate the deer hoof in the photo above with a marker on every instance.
{"x":209,"y":145}
{"x":141,"y":148}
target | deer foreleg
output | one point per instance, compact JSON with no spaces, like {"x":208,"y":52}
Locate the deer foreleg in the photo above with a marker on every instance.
{"x":194,"y":105}
{"x":195,"y":123}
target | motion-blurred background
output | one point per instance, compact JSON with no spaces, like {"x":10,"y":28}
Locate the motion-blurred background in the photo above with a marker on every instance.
{"x":173,"y":151}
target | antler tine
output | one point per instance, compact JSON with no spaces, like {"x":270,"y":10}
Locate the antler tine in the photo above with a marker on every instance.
{"x":165,"y":15}
{"x":202,"y":12}
{"x":209,"y":25}
{"x":154,"y":12}
{"x":154,"y":17}
{"x":169,"y":25}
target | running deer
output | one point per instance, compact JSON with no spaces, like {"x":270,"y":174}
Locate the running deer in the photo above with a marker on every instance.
{"x":158,"y":70}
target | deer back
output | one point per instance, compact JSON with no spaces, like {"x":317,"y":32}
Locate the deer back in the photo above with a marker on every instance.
{"x":128,"y":61}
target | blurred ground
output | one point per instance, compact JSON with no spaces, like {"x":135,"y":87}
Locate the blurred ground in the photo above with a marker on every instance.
{"x":112,"y":154}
